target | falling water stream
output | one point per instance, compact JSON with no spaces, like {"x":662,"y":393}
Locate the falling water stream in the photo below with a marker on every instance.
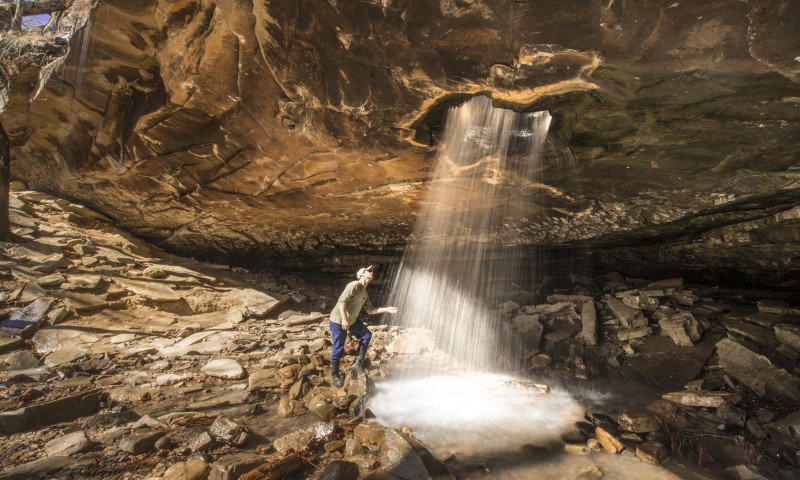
{"x":461,"y":265}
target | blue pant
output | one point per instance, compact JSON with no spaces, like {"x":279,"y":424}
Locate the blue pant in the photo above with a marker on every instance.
{"x":357,"y":329}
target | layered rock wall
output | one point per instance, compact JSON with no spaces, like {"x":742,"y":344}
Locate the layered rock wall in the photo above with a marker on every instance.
{"x":257,"y":131}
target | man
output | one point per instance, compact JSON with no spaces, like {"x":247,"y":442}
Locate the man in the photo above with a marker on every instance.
{"x":344,"y":317}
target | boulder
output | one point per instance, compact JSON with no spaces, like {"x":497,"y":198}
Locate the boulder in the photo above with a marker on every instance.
{"x":229,"y":431}
{"x":627,"y":316}
{"x":140,"y":441}
{"x":652,"y":452}
{"x":757,"y":371}
{"x":609,"y":442}
{"x":642,"y":423}
{"x":257,"y":304}
{"x":224,"y":368}
{"x":681,"y":327}
{"x":231,"y":467}
{"x":702,"y":398}
{"x":399,"y":458}
{"x":68,"y":445}
{"x":788,"y":335}
{"x":191,"y":469}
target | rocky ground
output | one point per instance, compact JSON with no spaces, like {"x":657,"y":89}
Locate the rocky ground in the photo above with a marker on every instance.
{"x":122,"y":361}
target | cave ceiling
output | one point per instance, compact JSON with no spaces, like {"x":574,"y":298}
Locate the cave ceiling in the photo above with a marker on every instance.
{"x":254,"y":131}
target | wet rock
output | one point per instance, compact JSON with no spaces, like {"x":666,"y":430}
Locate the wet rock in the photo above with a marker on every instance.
{"x":288,"y":407}
{"x":84,"y":302}
{"x":224,"y":368}
{"x":652,"y":452}
{"x":399,"y":458}
{"x":301,"y":439}
{"x":756,"y":371}
{"x":412,"y":343}
{"x":340,"y":470}
{"x":642,"y":423}
{"x":681,"y":327}
{"x":229,"y":431}
{"x":322,"y":409}
{"x":263,"y":380}
{"x":299,"y":389}
{"x":627,"y":316}
{"x":702,"y":398}
{"x":746,"y":472}
{"x":191,"y":469}
{"x":788,"y":335}
{"x":153,"y":291}
{"x":22,"y":361}
{"x":201,"y":442}
{"x":140,"y":441}
{"x":369,"y":433}
{"x":353,"y":447}
{"x":577,"y":448}
{"x":608,"y":441}
{"x":68,"y":445}
{"x":231,"y":467}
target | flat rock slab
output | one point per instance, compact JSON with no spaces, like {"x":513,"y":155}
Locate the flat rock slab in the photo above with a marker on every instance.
{"x":231,"y":467}
{"x":141,"y":441}
{"x":84,"y":302}
{"x":659,"y":361}
{"x":40,"y":415}
{"x":627,"y":316}
{"x":64,"y":355}
{"x":22,"y":361}
{"x":257,"y":304}
{"x":68,"y":445}
{"x":46,"y":466}
{"x":82,"y":282}
{"x":224,"y":368}
{"x":30,"y":315}
{"x":151,"y":290}
{"x":754,"y":333}
{"x":756,"y":371}
{"x":788,"y":335}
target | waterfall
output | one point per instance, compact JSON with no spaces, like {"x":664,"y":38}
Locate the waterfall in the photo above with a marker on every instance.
{"x":462,"y":260}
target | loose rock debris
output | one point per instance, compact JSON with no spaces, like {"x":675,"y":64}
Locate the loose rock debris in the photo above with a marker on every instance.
{"x":121,"y":361}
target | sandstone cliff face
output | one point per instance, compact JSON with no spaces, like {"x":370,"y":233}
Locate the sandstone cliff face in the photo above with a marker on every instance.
{"x":260,"y":131}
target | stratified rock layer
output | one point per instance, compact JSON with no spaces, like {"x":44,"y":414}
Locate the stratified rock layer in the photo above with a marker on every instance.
{"x":297,"y":133}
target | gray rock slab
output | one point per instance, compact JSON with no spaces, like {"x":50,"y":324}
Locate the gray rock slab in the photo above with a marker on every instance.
{"x":22,"y":361}
{"x":660,"y":361}
{"x":757,"y":371}
{"x":140,"y":441}
{"x":8,"y":344}
{"x":82,"y":282}
{"x":40,"y":415}
{"x":681,"y":327}
{"x":588,"y":323}
{"x":51,"y":280}
{"x":258,"y":304}
{"x":68,"y":445}
{"x":32,"y":292}
{"x":754,"y":333}
{"x":788,"y":335}
{"x":33,"y":314}
{"x":45,"y":466}
{"x":628,"y":317}
{"x":399,"y":458}
{"x":84,"y":302}
{"x":788,"y":426}
{"x":151,"y":290}
{"x":301,"y":439}
{"x":64,"y":355}
{"x":777,"y":307}
{"x":224,"y":368}
{"x":191,"y":469}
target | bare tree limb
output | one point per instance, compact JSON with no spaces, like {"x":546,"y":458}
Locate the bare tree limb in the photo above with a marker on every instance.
{"x":32,"y":7}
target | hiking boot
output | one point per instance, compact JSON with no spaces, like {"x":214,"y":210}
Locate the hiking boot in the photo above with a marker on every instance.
{"x":358,"y":364}
{"x":338,"y":379}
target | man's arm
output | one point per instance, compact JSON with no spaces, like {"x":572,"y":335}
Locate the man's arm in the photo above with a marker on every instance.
{"x":345,"y":320}
{"x":376,"y":311}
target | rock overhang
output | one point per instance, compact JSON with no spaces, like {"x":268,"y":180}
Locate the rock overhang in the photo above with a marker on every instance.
{"x":271,"y":133}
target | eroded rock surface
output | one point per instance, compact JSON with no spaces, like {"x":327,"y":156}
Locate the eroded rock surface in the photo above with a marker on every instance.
{"x":299,"y":132}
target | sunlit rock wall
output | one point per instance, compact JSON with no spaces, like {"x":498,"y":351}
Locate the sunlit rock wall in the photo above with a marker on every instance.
{"x":254,"y":131}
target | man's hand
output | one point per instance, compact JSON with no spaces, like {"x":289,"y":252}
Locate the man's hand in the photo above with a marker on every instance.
{"x":391,"y":310}
{"x":345,"y":324}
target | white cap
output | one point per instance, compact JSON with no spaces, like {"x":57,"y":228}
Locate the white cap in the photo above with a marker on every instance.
{"x":364,"y":270}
